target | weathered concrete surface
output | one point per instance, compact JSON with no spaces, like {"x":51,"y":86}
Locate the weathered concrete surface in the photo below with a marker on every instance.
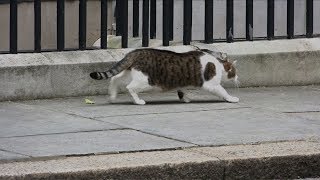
{"x":86,"y":143}
{"x":4,"y":155}
{"x":272,"y":133}
{"x":60,"y":127}
{"x":159,"y":104}
{"x":298,"y":159}
{"x":243,"y":126}
{"x":62,"y":74}
{"x":21,"y":120}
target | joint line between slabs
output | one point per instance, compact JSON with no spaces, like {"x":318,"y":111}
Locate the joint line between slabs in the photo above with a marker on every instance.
{"x":13,"y":152}
{"x":202,"y":110}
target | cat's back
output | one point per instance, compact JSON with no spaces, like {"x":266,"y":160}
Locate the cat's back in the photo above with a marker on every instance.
{"x":160,"y":54}
{"x":169,"y":69}
{"x":150,"y":56}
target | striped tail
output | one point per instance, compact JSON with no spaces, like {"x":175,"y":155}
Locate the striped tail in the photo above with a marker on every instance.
{"x":116,"y":69}
{"x":100,"y":75}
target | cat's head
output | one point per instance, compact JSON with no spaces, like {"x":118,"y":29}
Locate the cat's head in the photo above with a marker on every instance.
{"x":230,"y":72}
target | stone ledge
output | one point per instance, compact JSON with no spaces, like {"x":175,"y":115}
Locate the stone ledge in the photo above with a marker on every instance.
{"x":298,"y":159}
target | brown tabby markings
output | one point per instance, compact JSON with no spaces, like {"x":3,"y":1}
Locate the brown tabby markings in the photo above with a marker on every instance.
{"x":210,"y":71}
{"x":228,"y":67}
{"x":167,"y":69}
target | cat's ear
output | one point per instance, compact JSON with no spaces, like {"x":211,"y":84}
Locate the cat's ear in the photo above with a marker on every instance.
{"x":234,"y":63}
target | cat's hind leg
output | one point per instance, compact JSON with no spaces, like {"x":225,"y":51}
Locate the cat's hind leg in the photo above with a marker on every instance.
{"x":183,"y":97}
{"x":138,"y":84}
{"x":220,"y":91}
{"x":113,"y":89}
{"x":115,"y":82}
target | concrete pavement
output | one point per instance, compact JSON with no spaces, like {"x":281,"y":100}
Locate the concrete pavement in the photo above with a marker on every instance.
{"x":39,"y":130}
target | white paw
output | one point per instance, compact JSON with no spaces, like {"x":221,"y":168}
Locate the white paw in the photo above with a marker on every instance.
{"x":185,"y":99}
{"x":140,"y":102}
{"x":232,"y":99}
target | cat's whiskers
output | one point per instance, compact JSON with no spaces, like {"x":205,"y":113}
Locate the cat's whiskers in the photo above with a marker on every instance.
{"x":237,"y":83}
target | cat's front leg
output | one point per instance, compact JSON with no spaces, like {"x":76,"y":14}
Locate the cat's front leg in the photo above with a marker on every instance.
{"x":136,"y":98}
{"x":221,"y":92}
{"x":232,"y":99}
{"x":134,"y":88}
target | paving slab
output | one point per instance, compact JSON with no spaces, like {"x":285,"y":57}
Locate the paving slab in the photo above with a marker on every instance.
{"x":282,"y":99}
{"x":87,"y":143}
{"x":24,"y":120}
{"x":4,"y":155}
{"x":159,"y":103}
{"x":313,"y":116}
{"x":221,"y":127}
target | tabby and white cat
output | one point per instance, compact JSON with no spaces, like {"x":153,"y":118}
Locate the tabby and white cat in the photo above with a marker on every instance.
{"x":146,"y":69}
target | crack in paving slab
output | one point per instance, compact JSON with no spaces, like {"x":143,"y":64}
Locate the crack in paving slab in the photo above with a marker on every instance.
{"x":71,"y":132}
{"x":13,"y":152}
{"x":153,"y":134}
{"x":61,"y":157}
{"x":88,"y":143}
{"x":128,"y":128}
{"x":22,"y":120}
{"x":166,"y":137}
{"x":199,"y":128}
{"x":300,"y":112}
